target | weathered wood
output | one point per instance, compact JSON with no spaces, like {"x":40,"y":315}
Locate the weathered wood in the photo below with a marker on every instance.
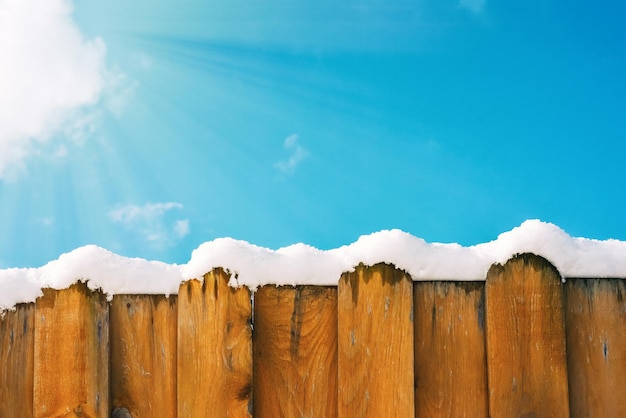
{"x":143,"y":355}
{"x":17,"y":337}
{"x":214,"y":348}
{"x":295,"y":352}
{"x":596,"y":347}
{"x":71,"y":362}
{"x":526,"y":358}
{"x":375,"y":341}
{"x":450,"y":358}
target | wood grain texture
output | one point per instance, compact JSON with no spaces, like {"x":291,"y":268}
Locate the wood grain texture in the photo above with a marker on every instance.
{"x":71,"y":362}
{"x":214,"y":348}
{"x":375,"y":341}
{"x":526,"y":358}
{"x":143,"y":355}
{"x":295,"y":352}
{"x":450,"y":357}
{"x":596,"y":347}
{"x":17,"y":342}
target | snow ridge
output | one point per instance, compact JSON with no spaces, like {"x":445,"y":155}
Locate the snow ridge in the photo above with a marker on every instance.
{"x":301,"y":264}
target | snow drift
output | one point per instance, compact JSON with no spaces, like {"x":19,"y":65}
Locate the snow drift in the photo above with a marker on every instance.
{"x":254,"y":266}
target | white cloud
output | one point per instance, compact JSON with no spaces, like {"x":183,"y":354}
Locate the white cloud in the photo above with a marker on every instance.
{"x":475,"y":6}
{"x":119,"y":91}
{"x":50,"y":77}
{"x":298,"y":153}
{"x":152,"y":223}
{"x":181,"y":228}
{"x":46,"y":221}
{"x":149,"y":211}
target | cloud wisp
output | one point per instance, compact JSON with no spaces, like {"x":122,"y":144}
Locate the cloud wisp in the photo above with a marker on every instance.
{"x":474,"y":6}
{"x":297,"y":154}
{"x":152,"y":222}
{"x":51,"y":77}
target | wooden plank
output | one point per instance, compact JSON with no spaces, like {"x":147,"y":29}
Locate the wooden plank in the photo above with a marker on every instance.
{"x":17,"y":342}
{"x":375,"y":340}
{"x":450,"y":357}
{"x":214,"y":348}
{"x":526,"y":359}
{"x":143,"y":354}
{"x":596,"y":347}
{"x":295,"y":351}
{"x":71,"y":364}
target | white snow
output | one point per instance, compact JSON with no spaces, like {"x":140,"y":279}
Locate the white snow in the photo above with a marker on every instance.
{"x":99,"y":268}
{"x":254,"y":266}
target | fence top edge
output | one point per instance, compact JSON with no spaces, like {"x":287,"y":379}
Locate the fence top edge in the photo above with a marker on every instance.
{"x":586,"y":282}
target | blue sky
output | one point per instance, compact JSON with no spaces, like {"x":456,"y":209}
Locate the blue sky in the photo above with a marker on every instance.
{"x":149,"y":127}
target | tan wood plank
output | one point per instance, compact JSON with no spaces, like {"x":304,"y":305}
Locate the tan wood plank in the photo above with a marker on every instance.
{"x":214,"y":348}
{"x":450,"y":358}
{"x":17,"y":338}
{"x":295,"y":352}
{"x":375,"y":341}
{"x":596,"y":347}
{"x":527,"y":370}
{"x":143,"y":355}
{"x":71,"y":362}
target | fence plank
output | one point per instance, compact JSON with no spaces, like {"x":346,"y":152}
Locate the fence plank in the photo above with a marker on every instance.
{"x":214,"y":348}
{"x":450,"y":358}
{"x":71,"y":362}
{"x":596,"y":347}
{"x":143,"y":355}
{"x":295,"y":352}
{"x":527,"y":371}
{"x":17,"y":339}
{"x":375,"y":340}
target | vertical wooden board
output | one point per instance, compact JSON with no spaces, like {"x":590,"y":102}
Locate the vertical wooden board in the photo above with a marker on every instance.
{"x":143,"y":355}
{"x":450,"y":357}
{"x":17,"y":337}
{"x":596,"y":347}
{"x":375,"y":341}
{"x":71,"y":369}
{"x":214,"y":348}
{"x":526,"y":358}
{"x":295,"y":352}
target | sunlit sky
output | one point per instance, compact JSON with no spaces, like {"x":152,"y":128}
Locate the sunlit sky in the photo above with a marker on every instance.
{"x":149,"y":127}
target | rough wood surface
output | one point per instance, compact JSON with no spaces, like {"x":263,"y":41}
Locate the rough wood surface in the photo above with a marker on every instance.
{"x":17,"y":338}
{"x":295,"y":352}
{"x":450,"y":358}
{"x":596,"y":347}
{"x":526,"y":358}
{"x":375,"y":341}
{"x":214,"y":348}
{"x":71,"y":362}
{"x":143,"y":355}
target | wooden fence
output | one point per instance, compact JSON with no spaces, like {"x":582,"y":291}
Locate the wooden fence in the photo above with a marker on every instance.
{"x":520,"y":344}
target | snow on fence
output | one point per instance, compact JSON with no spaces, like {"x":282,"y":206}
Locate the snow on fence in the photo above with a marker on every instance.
{"x":521,"y":343}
